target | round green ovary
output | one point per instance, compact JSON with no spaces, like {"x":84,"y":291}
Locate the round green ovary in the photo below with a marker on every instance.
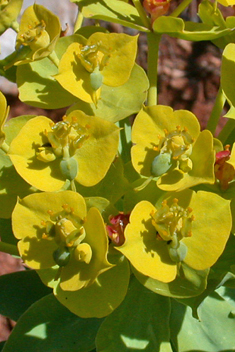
{"x":174,"y":149}
{"x":63,"y":141}
{"x":68,"y":232}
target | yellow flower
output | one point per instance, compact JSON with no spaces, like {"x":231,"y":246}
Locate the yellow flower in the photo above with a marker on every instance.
{"x":55,"y":230}
{"x":105,"y":58}
{"x":80,"y":147}
{"x":186,"y":227}
{"x":169,"y":146}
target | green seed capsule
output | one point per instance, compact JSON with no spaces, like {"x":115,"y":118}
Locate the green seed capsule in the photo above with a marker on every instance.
{"x":161,"y":164}
{"x":96,"y":79}
{"x":61,"y":256}
{"x":69,"y":168}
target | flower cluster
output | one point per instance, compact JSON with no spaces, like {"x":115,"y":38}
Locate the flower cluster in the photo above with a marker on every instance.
{"x":114,"y":184}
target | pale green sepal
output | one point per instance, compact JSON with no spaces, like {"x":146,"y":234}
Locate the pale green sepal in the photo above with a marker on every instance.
{"x":178,"y":28}
{"x":112,"y":11}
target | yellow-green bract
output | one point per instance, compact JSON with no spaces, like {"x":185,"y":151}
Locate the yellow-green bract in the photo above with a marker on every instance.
{"x":3,"y":116}
{"x":43,"y":151}
{"x":38,"y":33}
{"x":104,"y":58}
{"x":169,"y":145}
{"x":187,"y":227}
{"x":55,"y":229}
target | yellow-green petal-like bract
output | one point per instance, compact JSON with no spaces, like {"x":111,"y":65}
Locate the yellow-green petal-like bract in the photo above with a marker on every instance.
{"x":38,"y":33}
{"x":86,"y":143}
{"x":3,"y":116}
{"x":105,"y":58}
{"x":168,"y":145}
{"x":51,"y":226}
{"x":196,"y":226}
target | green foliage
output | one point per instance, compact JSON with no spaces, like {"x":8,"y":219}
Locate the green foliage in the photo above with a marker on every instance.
{"x":49,"y":326}
{"x":123,"y":211}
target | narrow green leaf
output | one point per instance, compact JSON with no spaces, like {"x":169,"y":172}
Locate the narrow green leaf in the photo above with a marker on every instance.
{"x":112,"y":11}
{"x":178,"y":28}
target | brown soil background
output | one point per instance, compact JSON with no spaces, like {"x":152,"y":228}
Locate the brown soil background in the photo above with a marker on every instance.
{"x":189,"y":77}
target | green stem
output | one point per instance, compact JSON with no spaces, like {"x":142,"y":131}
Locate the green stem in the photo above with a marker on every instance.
{"x":15,"y":26}
{"x":226,"y":131}
{"x":144,"y":18}
{"x":73,"y":186}
{"x":78,"y":23}
{"x":216,"y":111}
{"x":5,"y":147}
{"x":8,"y":248}
{"x":153,"y":49}
{"x":182,"y":6}
{"x":125,"y":140}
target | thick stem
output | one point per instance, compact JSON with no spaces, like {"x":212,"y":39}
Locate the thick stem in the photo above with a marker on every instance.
{"x":9,"y":248}
{"x":216,"y":111}
{"x":125,"y":140}
{"x":153,"y":49}
{"x":182,"y":6}
{"x":73,"y":186}
{"x":5,"y":147}
{"x":144,"y":18}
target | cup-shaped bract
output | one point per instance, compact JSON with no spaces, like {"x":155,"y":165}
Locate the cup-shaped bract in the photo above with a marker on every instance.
{"x":39,"y":31}
{"x":55,"y":230}
{"x":227,"y":2}
{"x":80,"y":147}
{"x":192,"y":228}
{"x":169,"y":146}
{"x":3,"y":116}
{"x":103,"y":58}
{"x":9,"y":11}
